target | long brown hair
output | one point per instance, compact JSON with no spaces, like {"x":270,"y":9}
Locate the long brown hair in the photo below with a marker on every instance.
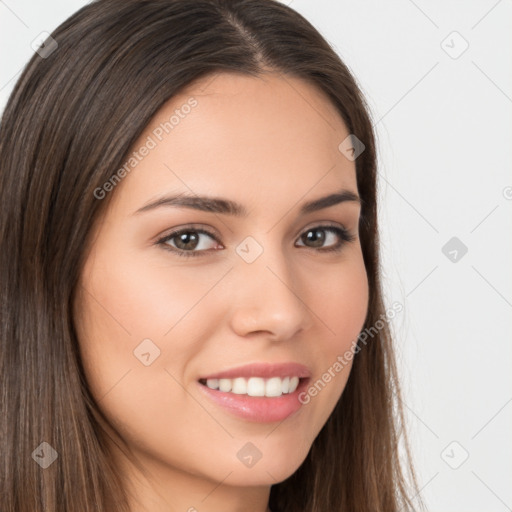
{"x":72,"y":118}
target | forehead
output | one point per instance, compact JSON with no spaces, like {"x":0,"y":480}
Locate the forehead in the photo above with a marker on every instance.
{"x":236,"y":135}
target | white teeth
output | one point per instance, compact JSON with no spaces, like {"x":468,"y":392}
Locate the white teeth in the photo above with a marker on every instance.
{"x":255,"y":386}
{"x":222,"y":384}
{"x":286,"y":384}
{"x":239,"y":386}
{"x":212,"y":383}
{"x":294,"y":382}
{"x":273,"y":387}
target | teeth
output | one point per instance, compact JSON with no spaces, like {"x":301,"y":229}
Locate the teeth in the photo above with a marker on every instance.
{"x":273,"y":387}
{"x":223,"y":384}
{"x":239,"y":387}
{"x":255,"y":386}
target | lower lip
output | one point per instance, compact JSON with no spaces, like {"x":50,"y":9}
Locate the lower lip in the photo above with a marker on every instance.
{"x":258,"y":408}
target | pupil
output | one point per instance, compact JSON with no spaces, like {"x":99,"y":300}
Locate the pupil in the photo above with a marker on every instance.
{"x":317,"y":240}
{"x":186,"y":237}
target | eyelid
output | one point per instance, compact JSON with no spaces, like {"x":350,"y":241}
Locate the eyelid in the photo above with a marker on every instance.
{"x":190,"y":227}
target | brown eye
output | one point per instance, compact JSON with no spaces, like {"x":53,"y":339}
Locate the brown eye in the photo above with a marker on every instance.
{"x":187,"y":242}
{"x":316,"y":237}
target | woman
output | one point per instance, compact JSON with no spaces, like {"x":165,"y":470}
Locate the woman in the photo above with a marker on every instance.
{"x":190,"y":211}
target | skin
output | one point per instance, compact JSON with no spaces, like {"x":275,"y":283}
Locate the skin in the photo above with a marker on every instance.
{"x":270,"y":143}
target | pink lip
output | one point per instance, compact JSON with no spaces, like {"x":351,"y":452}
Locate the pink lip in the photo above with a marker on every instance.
{"x":258,"y":408}
{"x":264,"y":370}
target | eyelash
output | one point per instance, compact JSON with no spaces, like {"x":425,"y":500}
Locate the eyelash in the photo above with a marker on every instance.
{"x":344,"y":235}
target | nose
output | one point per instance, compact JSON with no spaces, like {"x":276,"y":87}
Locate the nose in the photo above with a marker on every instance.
{"x":269,"y":298}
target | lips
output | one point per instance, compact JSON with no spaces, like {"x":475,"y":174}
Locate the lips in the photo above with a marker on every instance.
{"x":263,"y":370}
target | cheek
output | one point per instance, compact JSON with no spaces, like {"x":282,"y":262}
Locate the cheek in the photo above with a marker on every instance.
{"x":120,"y":306}
{"x":341,"y":307}
{"x":342,"y":303}
{"x":136,"y":298}
{"x":126,"y":301}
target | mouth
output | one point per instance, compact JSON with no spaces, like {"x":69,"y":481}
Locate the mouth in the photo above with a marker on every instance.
{"x":256,"y":399}
{"x":257,"y":386}
{"x":258,"y":392}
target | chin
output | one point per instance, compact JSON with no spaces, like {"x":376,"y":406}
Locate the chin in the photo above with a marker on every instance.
{"x":277,"y":462}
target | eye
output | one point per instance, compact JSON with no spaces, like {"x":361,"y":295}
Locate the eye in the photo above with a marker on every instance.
{"x":187,"y":242}
{"x":317,"y":237}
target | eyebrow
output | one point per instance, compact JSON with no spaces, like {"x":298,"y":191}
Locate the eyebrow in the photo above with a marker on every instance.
{"x":228,"y":207}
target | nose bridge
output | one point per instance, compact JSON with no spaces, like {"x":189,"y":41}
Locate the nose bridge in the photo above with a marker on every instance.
{"x":267,"y":296}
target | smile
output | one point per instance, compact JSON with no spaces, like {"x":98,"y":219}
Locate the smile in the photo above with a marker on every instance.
{"x":254,"y":386}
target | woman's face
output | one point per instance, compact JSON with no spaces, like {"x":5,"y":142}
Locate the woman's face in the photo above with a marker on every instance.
{"x":260,"y":287}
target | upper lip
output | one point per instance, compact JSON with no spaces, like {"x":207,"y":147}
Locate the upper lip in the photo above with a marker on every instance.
{"x":265,"y":370}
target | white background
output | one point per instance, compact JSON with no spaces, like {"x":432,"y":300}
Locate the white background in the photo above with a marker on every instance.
{"x":444,"y":129}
